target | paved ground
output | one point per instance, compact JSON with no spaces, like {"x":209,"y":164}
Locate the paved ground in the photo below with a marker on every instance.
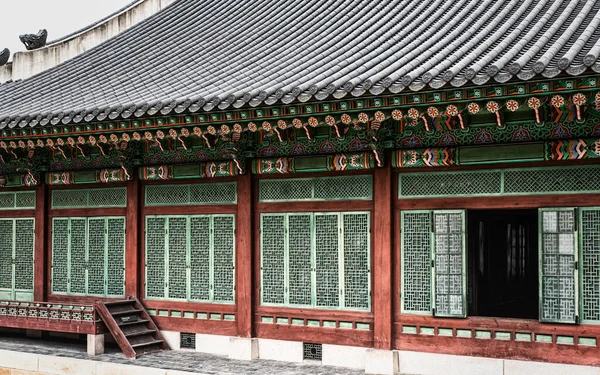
{"x":171,"y":360}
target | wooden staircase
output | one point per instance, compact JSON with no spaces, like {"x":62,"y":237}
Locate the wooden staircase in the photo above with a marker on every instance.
{"x":132,"y":327}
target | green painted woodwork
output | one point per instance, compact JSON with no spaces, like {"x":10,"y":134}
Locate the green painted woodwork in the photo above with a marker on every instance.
{"x":501,"y":153}
{"x":496,"y":182}
{"x":191,"y":194}
{"x":90,"y":198}
{"x":17,"y":200}
{"x":16,"y":258}
{"x":317,"y":260}
{"x":589,"y":271}
{"x":191,"y":258}
{"x":558,"y":259}
{"x":316,"y":189}
{"x":88,"y":256}
{"x":416,"y":256}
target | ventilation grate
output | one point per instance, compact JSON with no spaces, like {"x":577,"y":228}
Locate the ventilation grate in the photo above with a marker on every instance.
{"x":316,"y":189}
{"x":554,"y":180}
{"x":207,"y":193}
{"x":188,"y":341}
{"x":17,"y":200}
{"x":313,"y":351}
{"x":92,"y":198}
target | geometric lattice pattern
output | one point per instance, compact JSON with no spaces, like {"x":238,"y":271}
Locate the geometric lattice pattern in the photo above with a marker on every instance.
{"x":11,"y":200}
{"x":191,"y":258}
{"x":449,"y":233}
{"x":16,"y":258}
{"x":316,"y":189}
{"x":590,"y":261}
{"x":316,"y":260}
{"x":558,"y":256}
{"x":572,"y":179}
{"x":88,"y":256}
{"x":416,"y":262}
{"x":90,"y":198}
{"x":207,"y":193}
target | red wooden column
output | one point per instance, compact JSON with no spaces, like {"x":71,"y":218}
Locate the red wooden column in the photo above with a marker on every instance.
{"x":40,"y":258}
{"x":382,"y":258}
{"x":132,"y":251}
{"x":243,"y":249}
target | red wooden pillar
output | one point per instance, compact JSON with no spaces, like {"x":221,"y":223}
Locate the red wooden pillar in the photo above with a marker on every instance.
{"x":382,"y":258}
{"x":243,"y":271}
{"x":40,"y":258}
{"x":132,"y":251}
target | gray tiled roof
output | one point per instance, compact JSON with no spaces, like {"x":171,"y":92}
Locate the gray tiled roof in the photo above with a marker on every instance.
{"x":204,"y":55}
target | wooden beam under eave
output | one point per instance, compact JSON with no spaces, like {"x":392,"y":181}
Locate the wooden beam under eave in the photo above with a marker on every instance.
{"x":243,"y":271}
{"x":132,"y":251}
{"x":382,"y":258}
{"x":40,"y":259}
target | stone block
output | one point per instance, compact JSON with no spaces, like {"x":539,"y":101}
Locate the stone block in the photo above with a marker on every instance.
{"x":212,"y":344}
{"x":444,"y":364}
{"x":512,"y":367}
{"x":95,"y":344}
{"x":244,"y":349}
{"x":173,"y":339}
{"x":280,"y":350}
{"x":344,"y":356}
{"x":381,"y":362}
{"x":66,"y":366}
{"x":19,"y":361}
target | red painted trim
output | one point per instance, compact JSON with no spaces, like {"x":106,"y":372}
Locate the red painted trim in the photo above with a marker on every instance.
{"x":53,"y":325}
{"x":190,"y":210}
{"x":17,"y":214}
{"x":189,"y":306}
{"x":40,"y":259}
{"x":334,"y":336}
{"x":313,"y":206}
{"x":243,"y":272}
{"x":87,"y":212}
{"x":132,"y":257}
{"x":207,"y":326}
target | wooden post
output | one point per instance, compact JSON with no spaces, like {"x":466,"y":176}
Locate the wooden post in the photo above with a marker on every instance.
{"x":40,"y":258}
{"x":382,"y":258}
{"x":243,"y":272}
{"x":132,"y":251}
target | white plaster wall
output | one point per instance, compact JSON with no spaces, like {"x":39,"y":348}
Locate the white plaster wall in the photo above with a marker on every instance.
{"x":212,"y":344}
{"x":173,"y":339}
{"x":344,"y":356}
{"x":28,"y":63}
{"x":443,"y":364}
{"x":280,"y":350}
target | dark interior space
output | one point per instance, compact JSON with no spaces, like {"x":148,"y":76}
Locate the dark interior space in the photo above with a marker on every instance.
{"x":503,"y":263}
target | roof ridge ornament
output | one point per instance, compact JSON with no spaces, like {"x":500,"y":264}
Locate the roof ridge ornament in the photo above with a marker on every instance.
{"x":34,"y":41}
{"x":4,"y":56}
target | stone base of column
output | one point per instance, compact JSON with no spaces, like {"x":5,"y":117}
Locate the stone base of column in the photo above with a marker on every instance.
{"x":244,"y":349}
{"x":95,"y":344}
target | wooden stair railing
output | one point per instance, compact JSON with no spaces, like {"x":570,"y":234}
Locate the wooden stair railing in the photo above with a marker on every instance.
{"x":132,"y":327}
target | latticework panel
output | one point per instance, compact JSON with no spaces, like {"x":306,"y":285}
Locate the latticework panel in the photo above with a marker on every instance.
{"x":327,"y":260}
{"x":93,"y":198}
{"x":356,"y":260}
{"x":449,"y":263}
{"x":6,"y":253}
{"x":96,"y":256}
{"x":299,"y":259}
{"x":10,"y":200}
{"x":60,"y":255}
{"x":177,"y":253}
{"x":416,"y":262}
{"x":590,"y":260}
{"x":438,"y":184}
{"x":552,"y":180}
{"x":321,"y":188}
{"x":223,"y":258}
{"x":24,"y":249}
{"x":200,"y":258}
{"x":206,"y":193}
{"x":558,"y":265}
{"x":77,"y":274}
{"x":155,"y":257}
{"x":115,"y":255}
{"x":273,"y":258}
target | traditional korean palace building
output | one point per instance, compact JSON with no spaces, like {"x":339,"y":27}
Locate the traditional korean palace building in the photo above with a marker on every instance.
{"x":373,"y":184}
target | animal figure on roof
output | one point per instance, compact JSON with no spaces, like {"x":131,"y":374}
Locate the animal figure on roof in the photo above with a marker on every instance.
{"x":4,"y":55}
{"x":34,"y":41}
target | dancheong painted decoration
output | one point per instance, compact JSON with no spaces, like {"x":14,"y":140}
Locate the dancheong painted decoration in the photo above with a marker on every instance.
{"x":411,"y":176}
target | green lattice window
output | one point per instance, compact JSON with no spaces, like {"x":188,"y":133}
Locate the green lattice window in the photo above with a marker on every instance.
{"x":316,"y":189}
{"x":590,"y":264}
{"x":17,"y":200}
{"x":518,"y":181}
{"x":558,"y":259}
{"x":16,"y":258}
{"x":433,"y":254}
{"x":89,"y":198}
{"x":191,"y":258}
{"x":192,"y":194}
{"x":317,"y":260}
{"x":88,"y":256}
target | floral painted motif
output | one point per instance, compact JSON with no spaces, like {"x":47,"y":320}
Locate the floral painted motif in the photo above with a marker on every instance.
{"x":266,"y":126}
{"x":346,"y":119}
{"x":252,"y":127}
{"x":473,"y":108}
{"x":312,"y":121}
{"x":557,"y":101}
{"x":329,"y":120}
{"x":413,"y":113}
{"x":492,"y":106}
{"x":512,"y":105}
{"x":379,"y":116}
{"x":452,"y":110}
{"x":281,"y":124}
{"x":363,"y":117}
{"x":397,"y":114}
{"x":211,"y":130}
{"x":433,"y":112}
{"x":225,"y":129}
{"x":579,"y":99}
{"x":297,"y":123}
{"x":237,"y":128}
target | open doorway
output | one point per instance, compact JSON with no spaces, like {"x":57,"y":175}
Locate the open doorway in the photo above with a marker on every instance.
{"x":503,"y":263}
